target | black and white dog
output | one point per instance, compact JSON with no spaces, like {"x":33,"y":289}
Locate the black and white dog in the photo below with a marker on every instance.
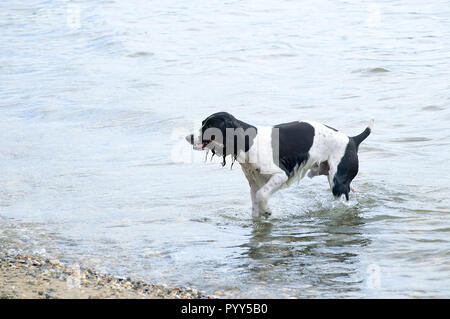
{"x":273,"y":157}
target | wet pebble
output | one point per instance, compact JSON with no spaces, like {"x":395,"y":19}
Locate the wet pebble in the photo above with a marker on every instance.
{"x":42,"y":270}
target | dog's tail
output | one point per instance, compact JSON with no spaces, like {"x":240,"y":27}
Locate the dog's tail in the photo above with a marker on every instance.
{"x":361,"y":137}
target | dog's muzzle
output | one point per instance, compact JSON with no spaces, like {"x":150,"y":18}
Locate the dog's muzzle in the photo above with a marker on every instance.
{"x":196,"y":146}
{"x":190,"y":138}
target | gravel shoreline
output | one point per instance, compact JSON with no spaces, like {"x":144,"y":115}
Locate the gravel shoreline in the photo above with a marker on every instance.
{"x":30,"y":277}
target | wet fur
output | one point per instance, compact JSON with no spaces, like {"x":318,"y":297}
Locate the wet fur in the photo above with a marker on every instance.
{"x":303,"y":147}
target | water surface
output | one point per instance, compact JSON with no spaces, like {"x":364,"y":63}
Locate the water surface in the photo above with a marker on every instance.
{"x":97,"y":95}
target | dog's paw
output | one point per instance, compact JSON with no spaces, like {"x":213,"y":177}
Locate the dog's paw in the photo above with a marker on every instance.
{"x":261,"y":213}
{"x":267,"y":214}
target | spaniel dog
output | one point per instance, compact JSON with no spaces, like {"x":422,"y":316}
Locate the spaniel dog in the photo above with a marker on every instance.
{"x":273,"y":157}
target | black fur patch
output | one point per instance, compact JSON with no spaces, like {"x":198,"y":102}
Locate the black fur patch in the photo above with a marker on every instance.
{"x":346,"y":170}
{"x":295,"y":141}
{"x":222,"y":121}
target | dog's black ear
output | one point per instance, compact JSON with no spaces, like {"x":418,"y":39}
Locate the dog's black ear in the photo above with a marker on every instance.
{"x":240,"y":136}
{"x":228,"y":123}
{"x":233,"y":133}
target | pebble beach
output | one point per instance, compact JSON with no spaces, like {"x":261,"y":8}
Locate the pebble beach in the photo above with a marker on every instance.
{"x":23,"y":276}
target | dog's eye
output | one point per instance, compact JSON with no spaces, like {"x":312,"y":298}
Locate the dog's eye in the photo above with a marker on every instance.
{"x":213,"y":137}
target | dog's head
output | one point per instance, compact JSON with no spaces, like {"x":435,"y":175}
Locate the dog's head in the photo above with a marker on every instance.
{"x":222,"y":133}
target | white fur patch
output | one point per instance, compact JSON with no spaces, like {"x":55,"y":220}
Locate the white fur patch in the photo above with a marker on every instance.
{"x":328,"y":145}
{"x":371,"y":123}
{"x":266,"y":177}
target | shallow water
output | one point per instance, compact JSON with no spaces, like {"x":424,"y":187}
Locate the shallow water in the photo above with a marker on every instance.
{"x":97,"y":95}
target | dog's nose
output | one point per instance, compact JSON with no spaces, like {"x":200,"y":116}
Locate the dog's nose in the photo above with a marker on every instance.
{"x":190,"y":138}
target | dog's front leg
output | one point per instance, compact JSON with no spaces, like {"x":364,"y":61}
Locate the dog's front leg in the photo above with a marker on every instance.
{"x":255,"y":210}
{"x":263,"y":194}
{"x":252,"y":182}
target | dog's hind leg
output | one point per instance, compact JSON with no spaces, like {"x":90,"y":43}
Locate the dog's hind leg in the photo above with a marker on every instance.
{"x":314,"y":171}
{"x":263,"y":194}
{"x":319,"y":169}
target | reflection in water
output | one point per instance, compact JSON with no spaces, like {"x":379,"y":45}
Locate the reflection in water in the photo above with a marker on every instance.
{"x":318,"y":249}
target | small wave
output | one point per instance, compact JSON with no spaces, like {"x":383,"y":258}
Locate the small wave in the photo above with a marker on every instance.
{"x":275,"y":56}
{"x":411,"y":140}
{"x":154,"y":164}
{"x":378,"y":70}
{"x":140,"y":54}
{"x":433,"y":108}
{"x":372,"y":70}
